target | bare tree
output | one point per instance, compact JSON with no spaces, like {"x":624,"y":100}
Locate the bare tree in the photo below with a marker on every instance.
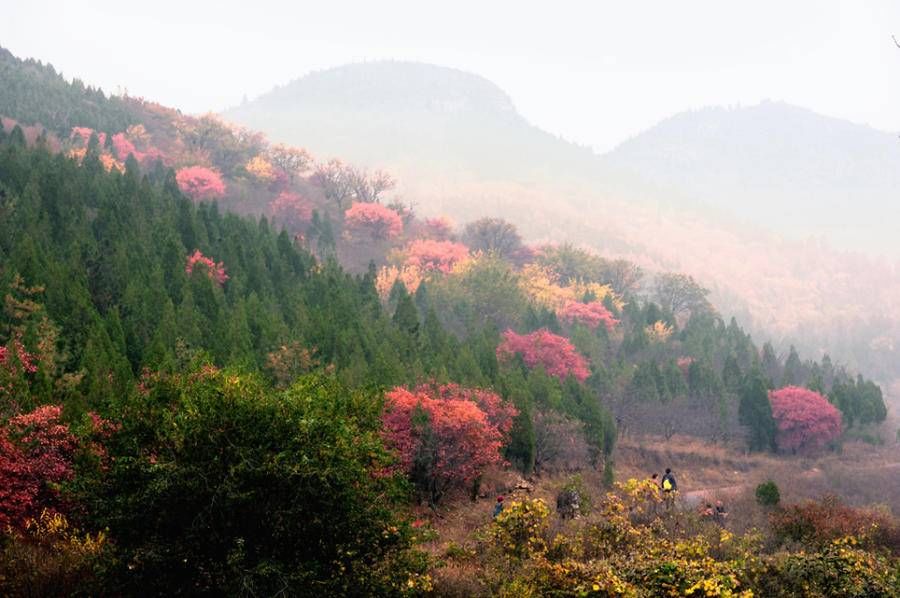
{"x":492,"y":235}
{"x":680,"y":293}
{"x":336,"y":180}
{"x":369,"y":188}
{"x":623,"y":276}
{"x":559,"y":442}
{"x":292,"y":160}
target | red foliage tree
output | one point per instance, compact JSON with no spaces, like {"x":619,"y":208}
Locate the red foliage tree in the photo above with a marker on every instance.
{"x":445,"y":436}
{"x":430,"y":255}
{"x":373,"y":219}
{"x":215,"y":271}
{"x":200,"y":182}
{"x":291,"y":210}
{"x":805,"y":419}
{"x":590,"y":314}
{"x":123,"y":148}
{"x":555,"y":353}
{"x":36,"y":452}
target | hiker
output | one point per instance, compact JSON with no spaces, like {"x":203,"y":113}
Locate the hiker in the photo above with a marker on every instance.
{"x":498,"y":507}
{"x":669,"y":487}
{"x":567,"y":504}
{"x":720,"y":513}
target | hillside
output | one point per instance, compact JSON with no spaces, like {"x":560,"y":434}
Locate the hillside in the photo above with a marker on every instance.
{"x":229,"y":368}
{"x":754,"y":202}
{"x":778,"y":166}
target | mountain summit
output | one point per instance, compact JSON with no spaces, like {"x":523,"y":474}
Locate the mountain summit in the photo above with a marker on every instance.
{"x":411,"y":116}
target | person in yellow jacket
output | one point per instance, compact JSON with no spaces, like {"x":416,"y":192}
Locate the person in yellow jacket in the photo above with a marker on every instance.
{"x":669,"y":487}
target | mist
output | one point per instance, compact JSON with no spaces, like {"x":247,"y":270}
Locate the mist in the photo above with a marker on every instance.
{"x":397,"y":279}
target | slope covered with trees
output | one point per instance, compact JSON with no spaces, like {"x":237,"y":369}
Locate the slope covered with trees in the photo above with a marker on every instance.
{"x":776,"y":208}
{"x":211,"y":346}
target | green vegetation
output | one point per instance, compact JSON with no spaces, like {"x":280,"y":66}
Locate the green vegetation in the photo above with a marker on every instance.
{"x":192,"y":401}
{"x":767,"y":494}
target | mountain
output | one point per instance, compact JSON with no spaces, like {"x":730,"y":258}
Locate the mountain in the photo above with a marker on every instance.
{"x":761,"y":203}
{"x":778,"y":166}
{"x":413,"y":116}
{"x":190,"y":398}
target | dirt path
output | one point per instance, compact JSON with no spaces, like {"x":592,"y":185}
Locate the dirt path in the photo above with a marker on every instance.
{"x":695,"y":497}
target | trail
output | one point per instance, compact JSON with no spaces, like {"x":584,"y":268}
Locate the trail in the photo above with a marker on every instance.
{"x":693,"y":498}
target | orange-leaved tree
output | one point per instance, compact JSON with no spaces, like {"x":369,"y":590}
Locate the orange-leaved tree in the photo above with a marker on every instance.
{"x":445,"y":436}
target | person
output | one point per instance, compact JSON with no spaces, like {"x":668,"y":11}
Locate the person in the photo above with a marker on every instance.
{"x":655,"y":478}
{"x":720,"y":513}
{"x":669,"y":487}
{"x":567,"y":504}
{"x":498,"y":507}
{"x":668,"y":482}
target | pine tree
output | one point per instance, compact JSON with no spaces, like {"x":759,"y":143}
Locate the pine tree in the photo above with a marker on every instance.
{"x":755,"y":412}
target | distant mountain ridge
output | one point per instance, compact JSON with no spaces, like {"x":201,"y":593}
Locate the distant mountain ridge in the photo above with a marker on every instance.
{"x":777,"y":165}
{"x":413,"y":115}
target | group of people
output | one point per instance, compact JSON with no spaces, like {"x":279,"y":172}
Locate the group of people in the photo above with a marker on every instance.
{"x":716,"y":513}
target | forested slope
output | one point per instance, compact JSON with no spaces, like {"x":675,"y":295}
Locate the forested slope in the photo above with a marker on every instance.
{"x":186,"y":391}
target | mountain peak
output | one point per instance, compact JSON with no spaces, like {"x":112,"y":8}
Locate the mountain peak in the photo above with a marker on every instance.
{"x":392,"y":86}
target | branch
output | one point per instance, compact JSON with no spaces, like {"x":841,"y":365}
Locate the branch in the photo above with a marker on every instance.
{"x":896,"y":43}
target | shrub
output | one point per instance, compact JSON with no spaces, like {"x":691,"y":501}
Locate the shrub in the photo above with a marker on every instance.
{"x":767,"y":494}
{"x":221,"y":486}
{"x":839,"y":569}
{"x":51,"y":558}
{"x":37,"y":451}
{"x":818,"y":523}
{"x":520,"y":527}
{"x":577,"y":487}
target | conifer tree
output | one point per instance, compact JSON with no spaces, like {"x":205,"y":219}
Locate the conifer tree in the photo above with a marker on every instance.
{"x":755,"y":412}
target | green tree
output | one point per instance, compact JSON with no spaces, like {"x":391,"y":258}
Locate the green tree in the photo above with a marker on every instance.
{"x":216,"y":477}
{"x":755,"y":412}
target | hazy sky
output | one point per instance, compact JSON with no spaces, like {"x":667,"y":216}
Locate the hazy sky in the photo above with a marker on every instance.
{"x":593,"y":72}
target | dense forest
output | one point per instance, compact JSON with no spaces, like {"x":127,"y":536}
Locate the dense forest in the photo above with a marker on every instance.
{"x":229,"y":368}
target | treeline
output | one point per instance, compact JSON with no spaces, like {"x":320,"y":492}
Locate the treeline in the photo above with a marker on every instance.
{"x":34,"y":93}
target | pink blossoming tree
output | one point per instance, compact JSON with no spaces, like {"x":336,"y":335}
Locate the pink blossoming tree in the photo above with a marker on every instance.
{"x":543,"y":348}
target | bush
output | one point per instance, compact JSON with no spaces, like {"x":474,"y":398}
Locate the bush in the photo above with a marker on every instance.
{"x":220,"y":486}
{"x":520,"y":527}
{"x":577,"y":488}
{"x":839,"y":569}
{"x":51,"y":558}
{"x":819,"y":523}
{"x":767,"y":494}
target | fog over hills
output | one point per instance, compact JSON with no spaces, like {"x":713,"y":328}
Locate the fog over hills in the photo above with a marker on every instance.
{"x":761,"y":203}
{"x":779,"y":166}
{"x":421,"y":117}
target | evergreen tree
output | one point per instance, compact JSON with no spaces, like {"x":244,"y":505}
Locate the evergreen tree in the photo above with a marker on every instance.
{"x":793,"y":370}
{"x":755,"y":412}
